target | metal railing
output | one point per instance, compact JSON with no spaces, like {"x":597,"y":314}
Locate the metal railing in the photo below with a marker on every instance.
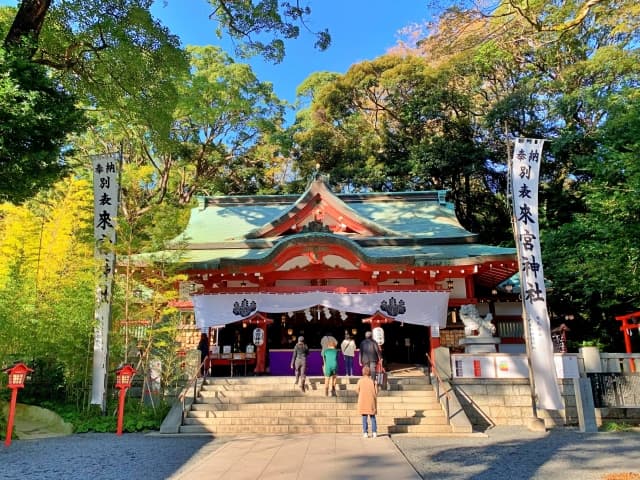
{"x":193,"y":382}
{"x":443,"y":391}
{"x":615,"y":389}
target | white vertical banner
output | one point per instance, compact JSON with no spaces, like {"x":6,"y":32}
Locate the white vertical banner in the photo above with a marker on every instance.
{"x":105,"y":193}
{"x":525,"y":176}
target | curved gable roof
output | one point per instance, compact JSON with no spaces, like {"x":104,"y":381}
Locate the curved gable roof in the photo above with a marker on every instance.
{"x":383,"y":216}
{"x":316,"y":196}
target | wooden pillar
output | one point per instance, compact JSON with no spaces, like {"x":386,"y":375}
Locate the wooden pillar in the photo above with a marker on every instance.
{"x":434,"y":342}
{"x":627,"y":344}
{"x":627,"y":338}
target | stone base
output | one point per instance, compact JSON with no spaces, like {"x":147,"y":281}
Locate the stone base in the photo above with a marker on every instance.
{"x":535,"y":424}
{"x":480,"y":344}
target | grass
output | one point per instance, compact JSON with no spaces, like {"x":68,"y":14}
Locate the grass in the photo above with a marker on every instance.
{"x":617,"y":427}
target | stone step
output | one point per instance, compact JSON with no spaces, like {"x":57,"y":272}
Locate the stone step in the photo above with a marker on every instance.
{"x":420,"y":429}
{"x":384,"y":419}
{"x":321,"y":403}
{"x":414,"y":387}
{"x":318,"y":403}
{"x":293,"y":429}
{"x":311,"y":399}
{"x":317,"y":410}
{"x":274,"y":405}
{"x":309,"y":393}
{"x":267,"y":380}
{"x":352,"y":418}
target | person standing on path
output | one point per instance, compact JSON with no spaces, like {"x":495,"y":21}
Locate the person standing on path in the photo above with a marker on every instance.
{"x":369,"y":353}
{"x":330,"y":360}
{"x":367,"y":402}
{"x":348,"y":347}
{"x":299,"y":362}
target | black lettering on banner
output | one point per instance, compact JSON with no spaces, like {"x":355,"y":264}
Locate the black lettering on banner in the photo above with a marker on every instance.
{"x":530,"y":265}
{"x":104,"y":220}
{"x":527,"y":239}
{"x":526,"y":216}
{"x":525,"y":172}
{"x":525,"y":192}
{"x":533,"y":293}
{"x":105,"y":199}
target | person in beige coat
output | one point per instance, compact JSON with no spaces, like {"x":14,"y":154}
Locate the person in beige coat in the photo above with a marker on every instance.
{"x":367,"y":402}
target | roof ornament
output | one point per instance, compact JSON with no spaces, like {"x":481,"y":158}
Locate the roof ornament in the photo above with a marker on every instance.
{"x":316,"y":226}
{"x":318,"y":176}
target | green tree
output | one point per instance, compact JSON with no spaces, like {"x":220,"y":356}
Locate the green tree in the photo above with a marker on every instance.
{"x":112,"y":55}
{"x":243,"y":21}
{"x":36,"y":117}
{"x":593,"y":260}
{"x":223,"y":112}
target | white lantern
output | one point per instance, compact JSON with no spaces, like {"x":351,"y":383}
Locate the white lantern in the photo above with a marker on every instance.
{"x":378,"y":335}
{"x":258,"y":336}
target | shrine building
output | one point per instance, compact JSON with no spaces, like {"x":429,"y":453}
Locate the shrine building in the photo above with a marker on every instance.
{"x":325,"y":262}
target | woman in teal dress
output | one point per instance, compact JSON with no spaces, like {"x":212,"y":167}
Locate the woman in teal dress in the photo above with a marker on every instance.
{"x":330,"y":359}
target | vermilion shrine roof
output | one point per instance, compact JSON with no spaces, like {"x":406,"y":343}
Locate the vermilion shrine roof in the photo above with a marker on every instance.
{"x":415,"y":228}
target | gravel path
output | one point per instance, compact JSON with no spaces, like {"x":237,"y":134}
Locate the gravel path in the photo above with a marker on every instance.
{"x":509,"y":453}
{"x":101,"y":456}
{"x":505,"y":454}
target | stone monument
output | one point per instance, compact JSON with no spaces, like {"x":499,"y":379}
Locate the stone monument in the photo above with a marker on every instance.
{"x":478,"y":331}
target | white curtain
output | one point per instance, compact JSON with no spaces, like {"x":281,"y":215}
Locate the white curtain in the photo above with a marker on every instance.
{"x":419,"y":308}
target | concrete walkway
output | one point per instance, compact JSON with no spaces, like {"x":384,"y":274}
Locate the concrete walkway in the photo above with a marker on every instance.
{"x":288,"y":457}
{"x":502,"y":453}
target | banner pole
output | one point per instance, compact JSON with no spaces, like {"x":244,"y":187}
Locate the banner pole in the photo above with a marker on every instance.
{"x":106,"y":187}
{"x":525,"y":319}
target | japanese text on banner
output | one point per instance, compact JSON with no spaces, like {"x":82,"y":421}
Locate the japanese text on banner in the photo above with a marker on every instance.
{"x":525,"y":170}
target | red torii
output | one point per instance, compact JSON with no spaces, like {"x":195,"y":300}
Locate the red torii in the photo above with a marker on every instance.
{"x":630,"y":321}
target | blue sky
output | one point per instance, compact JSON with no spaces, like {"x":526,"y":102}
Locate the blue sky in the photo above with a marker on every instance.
{"x":360,"y":30}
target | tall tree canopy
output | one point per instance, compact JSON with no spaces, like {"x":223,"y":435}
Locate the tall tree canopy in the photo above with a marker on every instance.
{"x":108,"y":55}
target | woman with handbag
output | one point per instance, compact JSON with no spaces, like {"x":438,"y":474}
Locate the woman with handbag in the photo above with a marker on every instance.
{"x":367,"y":402}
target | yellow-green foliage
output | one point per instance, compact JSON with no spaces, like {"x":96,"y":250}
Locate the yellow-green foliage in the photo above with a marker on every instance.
{"x":47,"y":274}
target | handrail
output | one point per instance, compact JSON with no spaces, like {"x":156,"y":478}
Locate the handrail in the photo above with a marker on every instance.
{"x":441,"y":386}
{"x":183,"y":395}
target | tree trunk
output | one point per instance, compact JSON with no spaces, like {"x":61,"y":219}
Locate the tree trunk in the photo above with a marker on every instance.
{"x":28,"y":23}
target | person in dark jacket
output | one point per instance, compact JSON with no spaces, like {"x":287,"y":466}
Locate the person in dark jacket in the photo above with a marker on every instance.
{"x":203,"y":346}
{"x":369,"y":353}
{"x":299,"y":362}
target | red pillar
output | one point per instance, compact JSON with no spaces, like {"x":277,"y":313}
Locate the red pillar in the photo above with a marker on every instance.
{"x":627,"y":338}
{"x":627,"y":345}
{"x":12,"y":413}
{"x":123,"y":392}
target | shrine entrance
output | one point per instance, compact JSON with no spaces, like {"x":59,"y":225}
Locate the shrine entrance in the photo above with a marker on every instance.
{"x":404,"y":317}
{"x":405,"y":344}
{"x":323,"y":262}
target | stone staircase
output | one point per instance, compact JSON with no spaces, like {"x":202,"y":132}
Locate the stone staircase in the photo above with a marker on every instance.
{"x":273,"y":405}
